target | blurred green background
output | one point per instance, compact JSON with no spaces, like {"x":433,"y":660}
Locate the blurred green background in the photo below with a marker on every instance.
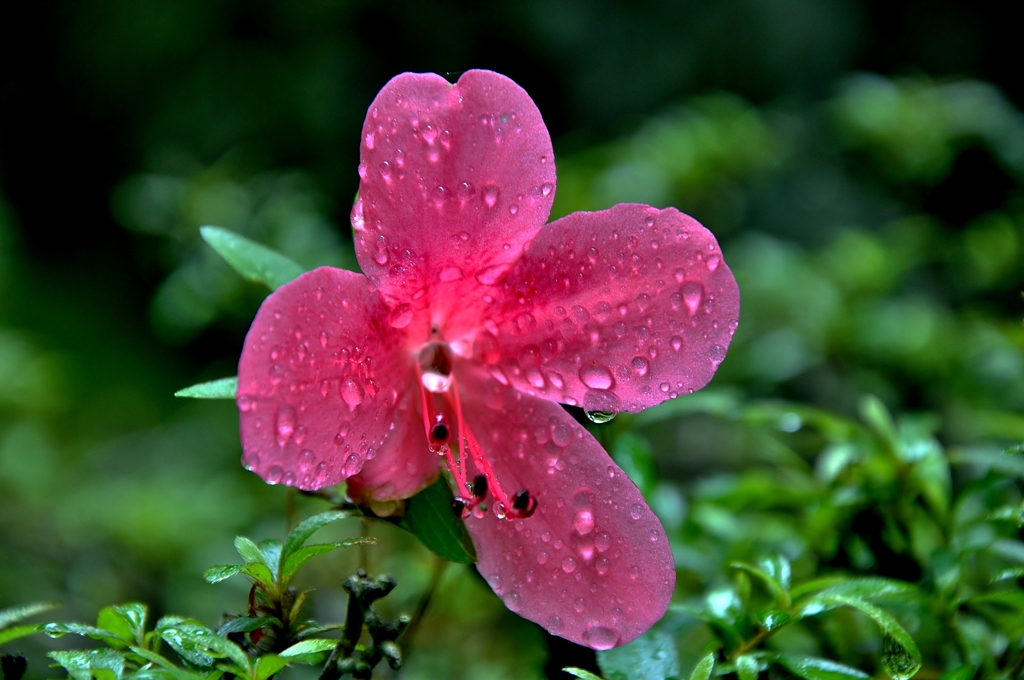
{"x":861,"y":162}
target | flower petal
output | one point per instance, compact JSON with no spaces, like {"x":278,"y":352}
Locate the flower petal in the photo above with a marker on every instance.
{"x":404,"y":462}
{"x":618,"y":310}
{"x":318,"y":380}
{"x":455,"y":180}
{"x":593,"y":563}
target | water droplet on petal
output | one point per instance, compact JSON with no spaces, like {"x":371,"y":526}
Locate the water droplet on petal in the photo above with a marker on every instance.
{"x":569,"y":565}
{"x":400,"y":316}
{"x":351,"y":393}
{"x":449,"y":273}
{"x":640,"y":366}
{"x":513,"y":209}
{"x":578,"y":604}
{"x":676,"y":342}
{"x":285,"y":424}
{"x":439,"y":195}
{"x":692,"y":293}
{"x":561,"y":435}
{"x":636,"y":511}
{"x":273,"y":474}
{"x":600,"y":637}
{"x":583,"y":523}
{"x":546,"y":188}
{"x":596,"y":376}
{"x":369,"y":140}
{"x":490,"y":194}
{"x":385,"y":170}
{"x":712,"y":262}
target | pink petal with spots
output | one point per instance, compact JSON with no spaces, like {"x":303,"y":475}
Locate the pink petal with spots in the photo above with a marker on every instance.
{"x":404,"y":463}
{"x":318,"y":380}
{"x":618,"y":310}
{"x":592,"y":564}
{"x":455,"y":179}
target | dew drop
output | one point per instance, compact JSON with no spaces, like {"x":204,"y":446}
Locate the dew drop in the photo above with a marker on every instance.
{"x":385,"y":170}
{"x":362,"y":170}
{"x":400,"y":316}
{"x":600,"y":637}
{"x":583,"y":523}
{"x":449,"y":273}
{"x":542,"y":557}
{"x":692,"y":293}
{"x":399,"y":158}
{"x":664,"y":387}
{"x":351,"y":393}
{"x":439,"y":196}
{"x":676,"y":342}
{"x":535,"y":377}
{"x":569,"y":565}
{"x":285,"y":424}
{"x":602,"y":565}
{"x":488,"y":276}
{"x":490,"y":194}
{"x":578,"y":604}
{"x":636,"y":511}
{"x":273,"y":474}
{"x":513,"y":209}
{"x":561,"y":435}
{"x":640,"y":366}
{"x":464,"y":190}
{"x":596,"y":376}
{"x":712,"y":262}
{"x":369,"y":140}
{"x":546,"y":188}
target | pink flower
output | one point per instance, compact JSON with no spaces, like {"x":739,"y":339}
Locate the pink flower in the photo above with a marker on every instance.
{"x":473,"y":321}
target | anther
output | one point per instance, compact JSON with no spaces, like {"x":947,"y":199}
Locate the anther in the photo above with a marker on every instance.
{"x":439,"y":434}
{"x":460,"y":508}
{"x":524,"y":504}
{"x":480,"y":487}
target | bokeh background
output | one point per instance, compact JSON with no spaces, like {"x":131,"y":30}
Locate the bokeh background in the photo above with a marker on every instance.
{"x":861,"y":162}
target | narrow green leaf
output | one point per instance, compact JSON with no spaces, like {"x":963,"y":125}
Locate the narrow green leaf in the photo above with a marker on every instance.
{"x":777,"y":590}
{"x":309,"y":526}
{"x":15,"y":614}
{"x":56,"y":630}
{"x":304,"y":554}
{"x":224,"y":388}
{"x":271,"y":551}
{"x":245,"y":624}
{"x":652,"y":656}
{"x":103,"y":664}
{"x":704,"y":668}
{"x":127,"y":621}
{"x":9,"y":634}
{"x":904,"y":658}
{"x":249,"y":551}
{"x":314,"y":646}
{"x":773,"y":618}
{"x":221,"y":572}
{"x":252,"y":260}
{"x":580,"y":673}
{"x":813,"y":668}
{"x":868,"y":587}
{"x":151,"y":656}
{"x":268,"y":665}
{"x":198,"y":644}
{"x":962,"y":673}
{"x":173,"y":673}
{"x":429,"y":516}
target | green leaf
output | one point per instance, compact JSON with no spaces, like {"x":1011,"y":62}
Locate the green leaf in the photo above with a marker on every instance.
{"x":173,"y":673}
{"x":962,"y":673}
{"x":260,"y":573}
{"x":56,"y":630}
{"x":314,"y":646}
{"x":904,"y":658}
{"x":224,"y":571}
{"x":747,"y":667}
{"x":652,"y":656}
{"x":813,"y":668}
{"x":245,"y":624}
{"x":704,"y":667}
{"x":127,"y":621}
{"x":773,"y":618}
{"x":303,"y":555}
{"x":580,"y":673}
{"x":309,"y":526}
{"x":103,"y":664}
{"x":868,"y":587}
{"x":151,"y":656}
{"x":9,"y":634}
{"x":268,"y":665}
{"x":777,"y":590}
{"x":271,"y":551}
{"x":252,"y":260}
{"x":224,"y":388}
{"x":429,"y":516}
{"x":249,"y":551}
{"x":15,"y":614}
{"x":198,"y":644}
{"x":633,"y":454}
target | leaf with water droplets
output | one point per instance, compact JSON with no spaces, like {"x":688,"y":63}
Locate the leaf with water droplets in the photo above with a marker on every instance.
{"x":15,"y":614}
{"x":223,"y":388}
{"x":704,"y":667}
{"x":126,"y":620}
{"x":429,"y":516}
{"x":899,"y":661}
{"x":306,"y":553}
{"x":249,"y":551}
{"x":767,"y":576}
{"x":102,"y":664}
{"x":813,"y":668}
{"x":652,"y":656}
{"x":309,"y":526}
{"x":747,"y":667}
{"x":221,"y":572}
{"x":9,"y":634}
{"x":252,"y":260}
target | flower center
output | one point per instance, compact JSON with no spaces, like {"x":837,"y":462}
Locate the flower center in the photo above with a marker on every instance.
{"x":442,"y":418}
